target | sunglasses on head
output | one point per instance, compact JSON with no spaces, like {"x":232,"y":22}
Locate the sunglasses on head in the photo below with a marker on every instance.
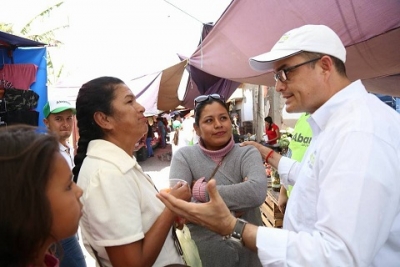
{"x":203,"y":98}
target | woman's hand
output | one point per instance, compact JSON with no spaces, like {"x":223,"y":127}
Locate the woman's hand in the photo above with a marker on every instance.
{"x":181,"y":191}
{"x":180,"y":222}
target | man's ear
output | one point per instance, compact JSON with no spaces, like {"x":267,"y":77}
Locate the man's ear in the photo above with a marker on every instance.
{"x":327,"y":63}
{"x":46,"y":122}
{"x":102,"y":120}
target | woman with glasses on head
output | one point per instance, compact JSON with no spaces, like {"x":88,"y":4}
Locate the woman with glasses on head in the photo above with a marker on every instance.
{"x":123,"y":222}
{"x":239,"y":174}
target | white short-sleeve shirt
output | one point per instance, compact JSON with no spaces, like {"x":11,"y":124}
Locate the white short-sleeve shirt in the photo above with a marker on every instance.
{"x":119,"y":202}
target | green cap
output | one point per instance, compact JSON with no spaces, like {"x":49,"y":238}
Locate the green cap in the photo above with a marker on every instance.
{"x":57,"y":106}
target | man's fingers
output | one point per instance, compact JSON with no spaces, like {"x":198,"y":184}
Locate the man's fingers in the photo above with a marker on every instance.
{"x":215,"y":198}
{"x":245,"y":143}
{"x":248,"y":143}
{"x":176,"y":205}
{"x":259,"y":146}
{"x":170,"y":201}
{"x":212,"y":190}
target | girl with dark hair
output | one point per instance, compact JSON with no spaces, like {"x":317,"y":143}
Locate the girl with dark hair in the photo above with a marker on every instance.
{"x":39,"y":202}
{"x":272,"y":132}
{"x":239,"y":174}
{"x":123,"y":222}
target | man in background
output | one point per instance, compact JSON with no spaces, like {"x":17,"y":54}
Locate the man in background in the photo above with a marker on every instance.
{"x":176,"y":124}
{"x":149,"y":138}
{"x":187,"y":131}
{"x":58,"y":118}
{"x":301,"y":139}
{"x":162,"y":132}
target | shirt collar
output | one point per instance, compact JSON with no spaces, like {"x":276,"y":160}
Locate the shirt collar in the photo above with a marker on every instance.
{"x":64,"y":148}
{"x":108,"y":151}
{"x":321,"y":116}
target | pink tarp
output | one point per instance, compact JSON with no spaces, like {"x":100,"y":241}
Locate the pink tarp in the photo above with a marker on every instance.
{"x":158,"y":91}
{"x":201,"y":83}
{"x":370,"y":30}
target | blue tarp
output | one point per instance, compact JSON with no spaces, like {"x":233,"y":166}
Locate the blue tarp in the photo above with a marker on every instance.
{"x":18,"y":50}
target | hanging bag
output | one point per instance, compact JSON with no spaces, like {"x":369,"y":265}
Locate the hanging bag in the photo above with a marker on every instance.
{"x":188,"y":248}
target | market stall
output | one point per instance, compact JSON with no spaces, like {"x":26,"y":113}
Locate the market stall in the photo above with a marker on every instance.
{"x":140,"y":151}
{"x":270,"y":213}
{"x":23,"y":77}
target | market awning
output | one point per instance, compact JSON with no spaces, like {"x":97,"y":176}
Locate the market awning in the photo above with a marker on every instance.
{"x":369,"y":30}
{"x":13,"y":41}
{"x":9,"y":43}
{"x":203,"y":83}
{"x":158,"y":91}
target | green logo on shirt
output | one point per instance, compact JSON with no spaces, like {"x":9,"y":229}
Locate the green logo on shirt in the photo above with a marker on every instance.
{"x":298,"y":137}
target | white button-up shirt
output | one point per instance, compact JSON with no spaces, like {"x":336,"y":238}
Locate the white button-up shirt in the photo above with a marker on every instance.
{"x":345,"y":207}
{"x":68,"y":154}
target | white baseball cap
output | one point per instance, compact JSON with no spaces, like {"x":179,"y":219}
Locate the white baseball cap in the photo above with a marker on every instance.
{"x":308,"y":38}
{"x":57,"y":106}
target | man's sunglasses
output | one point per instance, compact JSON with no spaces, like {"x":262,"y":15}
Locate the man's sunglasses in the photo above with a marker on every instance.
{"x":282,"y":74}
{"x":203,"y":98}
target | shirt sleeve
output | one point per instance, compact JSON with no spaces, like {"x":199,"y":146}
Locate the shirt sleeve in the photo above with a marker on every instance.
{"x":288,"y":170}
{"x":271,"y":246}
{"x":180,"y":167}
{"x":113,"y":200}
{"x":199,"y":190}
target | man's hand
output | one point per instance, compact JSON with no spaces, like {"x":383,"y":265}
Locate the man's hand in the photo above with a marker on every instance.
{"x":213,"y":215}
{"x":264,"y":151}
{"x":252,"y":143}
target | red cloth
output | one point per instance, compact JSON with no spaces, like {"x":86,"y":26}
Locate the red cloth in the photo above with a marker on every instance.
{"x":19,"y":76}
{"x":50,"y":261}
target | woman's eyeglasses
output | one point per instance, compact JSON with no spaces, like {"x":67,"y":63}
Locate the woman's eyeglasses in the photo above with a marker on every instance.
{"x":203,"y":98}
